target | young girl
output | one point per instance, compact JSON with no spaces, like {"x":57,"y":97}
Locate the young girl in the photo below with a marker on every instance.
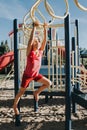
{"x":31,"y":72}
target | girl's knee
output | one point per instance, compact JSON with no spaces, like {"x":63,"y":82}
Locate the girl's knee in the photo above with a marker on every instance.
{"x":49,"y":83}
{"x":45,"y":81}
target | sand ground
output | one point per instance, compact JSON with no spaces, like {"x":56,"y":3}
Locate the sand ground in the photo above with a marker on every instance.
{"x":50,"y":116}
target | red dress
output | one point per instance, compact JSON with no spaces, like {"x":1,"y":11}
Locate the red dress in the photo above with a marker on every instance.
{"x":31,"y":71}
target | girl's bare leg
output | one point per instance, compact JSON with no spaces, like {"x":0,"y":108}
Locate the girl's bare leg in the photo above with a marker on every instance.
{"x":17,"y":98}
{"x":45,"y":84}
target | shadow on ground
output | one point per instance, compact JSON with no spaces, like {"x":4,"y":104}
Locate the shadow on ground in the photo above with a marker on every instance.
{"x":76,"y":125}
{"x":29,"y":102}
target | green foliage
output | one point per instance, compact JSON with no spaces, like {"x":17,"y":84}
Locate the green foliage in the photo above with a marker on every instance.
{"x":4,"y":47}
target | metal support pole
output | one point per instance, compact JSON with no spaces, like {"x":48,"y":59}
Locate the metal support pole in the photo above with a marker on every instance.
{"x":74,"y":49}
{"x":16,"y":68}
{"x":77,"y":44}
{"x":35,"y":105}
{"x":68,"y":76}
{"x":77,"y":32}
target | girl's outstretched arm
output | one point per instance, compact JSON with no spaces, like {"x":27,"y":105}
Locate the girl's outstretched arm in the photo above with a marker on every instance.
{"x":30,"y":42}
{"x":45,"y":37}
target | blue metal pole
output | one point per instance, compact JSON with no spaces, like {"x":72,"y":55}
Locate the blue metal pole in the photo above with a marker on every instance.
{"x":16,"y":62}
{"x":68,"y":76}
{"x":16,"y":68}
{"x":74,"y":49}
{"x":77,"y":43}
{"x":77,"y":32}
{"x":75,"y":85}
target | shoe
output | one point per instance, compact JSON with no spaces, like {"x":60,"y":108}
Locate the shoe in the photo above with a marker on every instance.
{"x":17,"y":120}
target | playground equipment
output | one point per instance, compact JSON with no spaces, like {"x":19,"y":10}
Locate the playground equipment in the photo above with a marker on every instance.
{"x":49,"y":10}
{"x":48,"y":92}
{"x":31,"y":13}
{"x":80,"y":6}
{"x":4,"y":81}
{"x":6,"y":59}
{"x":52,"y":67}
{"x":79,"y":79}
{"x":31,"y":17}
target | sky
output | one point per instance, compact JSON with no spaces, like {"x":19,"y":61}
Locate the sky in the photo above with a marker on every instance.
{"x":11,"y":9}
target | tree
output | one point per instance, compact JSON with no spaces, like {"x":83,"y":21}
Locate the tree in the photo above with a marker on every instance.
{"x":4,"y":47}
{"x":7,"y":49}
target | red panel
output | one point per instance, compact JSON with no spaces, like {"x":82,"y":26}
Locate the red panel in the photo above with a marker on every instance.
{"x":6,"y":59}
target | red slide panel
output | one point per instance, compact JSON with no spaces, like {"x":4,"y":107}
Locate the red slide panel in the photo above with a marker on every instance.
{"x":6,"y":59}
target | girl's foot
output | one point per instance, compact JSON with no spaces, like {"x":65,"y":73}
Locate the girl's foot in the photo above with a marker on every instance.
{"x":17,"y":120}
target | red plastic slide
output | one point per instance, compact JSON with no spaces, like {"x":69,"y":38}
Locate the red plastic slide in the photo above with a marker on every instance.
{"x":6,"y":59}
